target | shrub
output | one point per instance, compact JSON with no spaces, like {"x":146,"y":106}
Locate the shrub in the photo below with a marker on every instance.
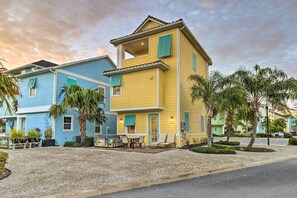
{"x":69,"y":144}
{"x":288,"y":135}
{"x":215,"y":149}
{"x":17,"y":135}
{"x":48,"y":132}
{"x":89,"y":141}
{"x":33,"y":134}
{"x":227,"y":143}
{"x":3,"y":160}
{"x":293,"y":141}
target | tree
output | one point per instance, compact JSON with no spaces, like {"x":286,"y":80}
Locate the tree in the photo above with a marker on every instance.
{"x":265,"y":86}
{"x":277,"y":125}
{"x":207,"y":90}
{"x":9,"y":90}
{"x":86,"y":102}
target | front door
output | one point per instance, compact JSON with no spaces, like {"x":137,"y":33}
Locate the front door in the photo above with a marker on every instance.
{"x":153,"y":127}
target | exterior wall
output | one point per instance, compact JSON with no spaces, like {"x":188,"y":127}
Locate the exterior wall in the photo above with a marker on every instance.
{"x":218,"y":130}
{"x":139,"y":90}
{"x":149,"y":25}
{"x":38,"y":120}
{"x":218,"y":124}
{"x":44,"y":91}
{"x":196,"y":110}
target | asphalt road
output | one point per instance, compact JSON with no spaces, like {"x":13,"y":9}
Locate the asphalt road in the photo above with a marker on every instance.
{"x":274,"y":180}
{"x":259,"y":141}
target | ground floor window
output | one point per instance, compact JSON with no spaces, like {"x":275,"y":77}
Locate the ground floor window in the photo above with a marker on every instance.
{"x":98,"y":127}
{"x":131,"y":129}
{"x":68,"y":123}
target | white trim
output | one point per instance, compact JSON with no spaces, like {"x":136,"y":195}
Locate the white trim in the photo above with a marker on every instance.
{"x":111,"y":90}
{"x":82,"y":77}
{"x":145,"y":22}
{"x":36,"y":109}
{"x":30,"y":93}
{"x":18,"y":121}
{"x":158,"y":87}
{"x":110,"y":113}
{"x":71,"y":123}
{"x":55,"y":88}
{"x":148,"y":124}
{"x":178,"y":86}
{"x":119,"y":56}
{"x":137,"y":109}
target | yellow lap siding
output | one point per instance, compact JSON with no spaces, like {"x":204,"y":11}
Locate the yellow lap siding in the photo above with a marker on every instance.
{"x":149,"y":25}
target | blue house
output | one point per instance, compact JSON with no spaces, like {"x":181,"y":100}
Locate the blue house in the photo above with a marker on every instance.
{"x":40,"y":85}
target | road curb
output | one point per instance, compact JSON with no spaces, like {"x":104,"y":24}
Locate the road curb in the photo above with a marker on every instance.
{"x":162,"y":180}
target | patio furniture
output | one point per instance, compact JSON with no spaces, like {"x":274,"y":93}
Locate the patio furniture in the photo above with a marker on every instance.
{"x":161,"y":139}
{"x":124,"y":141}
{"x":169,"y":141}
{"x":140,"y":141}
{"x":34,"y":144}
{"x":19,"y":144}
{"x":133,"y":140}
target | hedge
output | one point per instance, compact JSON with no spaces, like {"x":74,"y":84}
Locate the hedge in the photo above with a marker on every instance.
{"x":3,"y":160}
{"x":228,"y":143}
{"x":215,"y":149}
{"x":293,"y":141}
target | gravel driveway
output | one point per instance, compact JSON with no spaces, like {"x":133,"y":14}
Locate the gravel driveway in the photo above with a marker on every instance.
{"x":44,"y":171}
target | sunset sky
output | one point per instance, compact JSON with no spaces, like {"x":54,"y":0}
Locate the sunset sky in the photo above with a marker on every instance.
{"x":234,"y":33}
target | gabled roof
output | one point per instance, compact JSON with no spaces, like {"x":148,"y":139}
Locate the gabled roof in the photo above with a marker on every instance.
{"x":44,"y":63}
{"x":149,"y":18}
{"x":165,"y":27}
{"x":156,"y":64}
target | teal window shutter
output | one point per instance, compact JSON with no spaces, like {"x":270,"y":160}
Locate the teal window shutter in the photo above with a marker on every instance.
{"x":202,"y":123}
{"x":129,"y":120}
{"x":194,"y":61}
{"x":187,"y":121}
{"x":164,"y":46}
{"x":71,"y":81}
{"x":116,"y":81}
{"x":32,"y":83}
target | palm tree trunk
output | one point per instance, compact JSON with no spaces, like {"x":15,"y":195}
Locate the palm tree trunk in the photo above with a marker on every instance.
{"x":83,"y":128}
{"x":209,"y":131}
{"x":254,"y":131}
{"x":246,"y":126}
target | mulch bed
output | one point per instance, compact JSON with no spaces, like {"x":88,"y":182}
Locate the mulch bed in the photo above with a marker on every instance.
{"x":254,"y":149}
{"x":5,"y":174}
{"x":139,"y":150}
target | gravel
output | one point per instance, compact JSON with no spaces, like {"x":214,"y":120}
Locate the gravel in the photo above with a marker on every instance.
{"x":45,"y":171}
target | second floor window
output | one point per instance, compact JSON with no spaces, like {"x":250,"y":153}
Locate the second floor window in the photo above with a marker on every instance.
{"x":164,"y":46}
{"x":116,"y":84}
{"x":102,"y":92}
{"x":32,"y":87}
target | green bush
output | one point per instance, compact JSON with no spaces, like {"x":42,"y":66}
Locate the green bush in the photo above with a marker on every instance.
{"x":288,"y":135}
{"x":48,"y":132}
{"x":69,"y":144}
{"x":17,"y":135}
{"x":33,"y":134}
{"x":215,"y":149}
{"x":227,"y":143}
{"x":89,"y":141}
{"x":293,"y":141}
{"x":3,"y":160}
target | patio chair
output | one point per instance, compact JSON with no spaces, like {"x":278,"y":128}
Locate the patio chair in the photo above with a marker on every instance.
{"x":169,"y":141}
{"x":161,"y":139}
{"x":140,"y":141}
{"x":124,"y":141}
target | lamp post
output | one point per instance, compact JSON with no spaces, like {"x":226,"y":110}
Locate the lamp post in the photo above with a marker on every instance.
{"x":267,"y":125}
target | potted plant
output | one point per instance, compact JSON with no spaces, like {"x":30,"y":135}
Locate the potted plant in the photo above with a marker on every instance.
{"x":48,"y":133}
{"x":33,"y":135}
{"x":17,"y":136}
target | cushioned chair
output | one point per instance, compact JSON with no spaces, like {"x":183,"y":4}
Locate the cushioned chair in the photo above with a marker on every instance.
{"x":161,"y":139}
{"x":169,"y":141}
{"x":124,"y":141}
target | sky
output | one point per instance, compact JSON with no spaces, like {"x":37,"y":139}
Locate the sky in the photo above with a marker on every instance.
{"x":234,"y":33}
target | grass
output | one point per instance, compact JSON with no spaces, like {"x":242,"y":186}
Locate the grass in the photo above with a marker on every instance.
{"x":293,"y":141}
{"x":232,"y":143}
{"x":215,"y":149}
{"x":3,"y":160}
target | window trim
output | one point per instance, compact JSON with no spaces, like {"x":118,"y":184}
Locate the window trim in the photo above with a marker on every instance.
{"x":32,"y":96}
{"x":101,"y":128}
{"x":64,"y":123}
{"x":121,"y":90}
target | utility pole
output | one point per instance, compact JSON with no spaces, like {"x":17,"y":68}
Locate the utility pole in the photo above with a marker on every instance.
{"x":267,"y":125}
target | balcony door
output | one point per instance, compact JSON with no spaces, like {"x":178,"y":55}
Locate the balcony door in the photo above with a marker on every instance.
{"x":153,"y":127}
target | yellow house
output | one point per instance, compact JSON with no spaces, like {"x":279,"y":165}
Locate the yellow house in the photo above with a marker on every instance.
{"x":150,"y":90}
{"x":290,"y":117}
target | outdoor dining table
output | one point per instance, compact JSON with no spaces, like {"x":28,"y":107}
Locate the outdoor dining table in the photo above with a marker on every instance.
{"x":132,"y":140}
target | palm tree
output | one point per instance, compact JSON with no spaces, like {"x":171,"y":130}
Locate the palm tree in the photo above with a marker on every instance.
{"x":86,"y":102}
{"x":9,"y":90}
{"x":207,"y":90}
{"x":265,"y":86}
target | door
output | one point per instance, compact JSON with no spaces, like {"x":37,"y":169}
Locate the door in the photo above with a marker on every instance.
{"x":153,"y":127}
{"x":23,"y":124}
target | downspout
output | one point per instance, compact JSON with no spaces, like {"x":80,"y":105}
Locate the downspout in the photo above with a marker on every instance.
{"x":54,"y":100}
{"x":178,"y":85}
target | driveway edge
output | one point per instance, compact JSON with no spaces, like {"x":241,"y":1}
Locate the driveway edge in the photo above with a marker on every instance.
{"x":162,"y":180}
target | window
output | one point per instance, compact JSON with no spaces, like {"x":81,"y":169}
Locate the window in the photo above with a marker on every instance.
{"x":98,"y":127}
{"x":116,"y":84}
{"x":32,"y":87}
{"x":32,"y":92}
{"x":102,"y":92}
{"x":71,"y":81}
{"x":202,"y":123}
{"x":194,"y":61}
{"x":130,"y":123}
{"x":68,"y":123}
{"x":164,"y":46}
{"x":187,"y":123}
